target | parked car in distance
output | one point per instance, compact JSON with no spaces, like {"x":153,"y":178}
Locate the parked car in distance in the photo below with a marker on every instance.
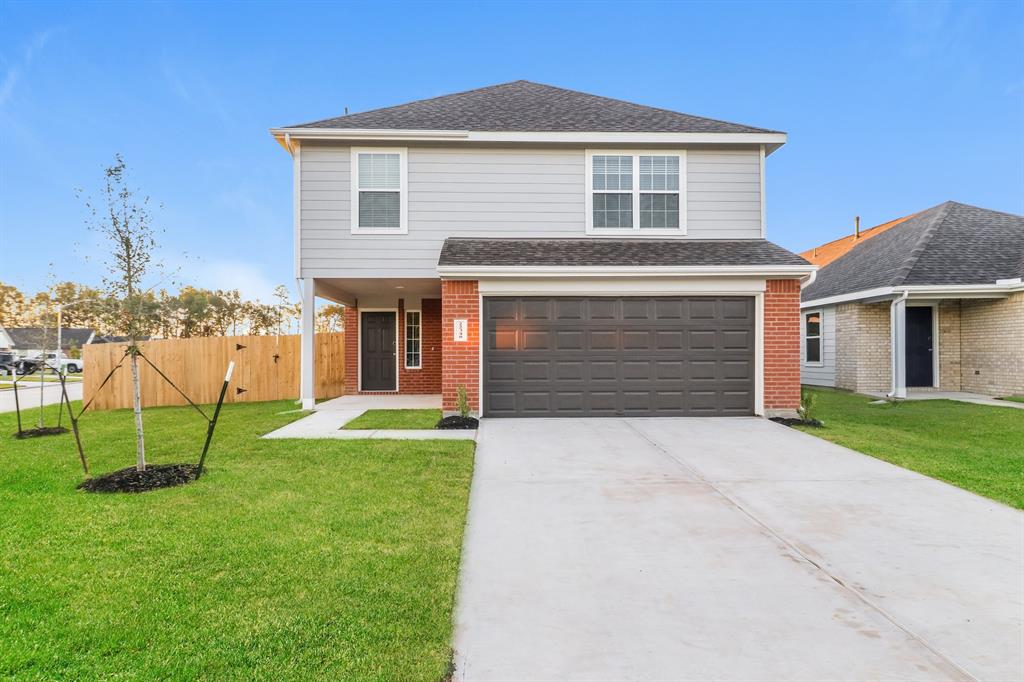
{"x":8,"y":364}
{"x":62,"y":364}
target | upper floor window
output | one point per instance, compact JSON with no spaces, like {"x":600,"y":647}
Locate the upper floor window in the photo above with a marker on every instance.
{"x":812,"y":337}
{"x":636,"y":193}
{"x":379,"y":198}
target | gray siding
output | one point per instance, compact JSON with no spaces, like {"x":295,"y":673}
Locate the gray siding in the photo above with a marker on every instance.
{"x":824,"y":374}
{"x":490,"y":192}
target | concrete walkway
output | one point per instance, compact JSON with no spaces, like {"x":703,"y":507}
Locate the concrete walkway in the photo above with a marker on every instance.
{"x":726,"y":549}
{"x":329,"y":416}
{"x":960,"y":396}
{"x":28,"y":394}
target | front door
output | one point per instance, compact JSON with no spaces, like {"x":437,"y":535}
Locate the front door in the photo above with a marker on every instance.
{"x":377,"y":336}
{"x":920,"y":368}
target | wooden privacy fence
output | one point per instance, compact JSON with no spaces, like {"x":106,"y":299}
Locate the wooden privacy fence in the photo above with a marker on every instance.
{"x":266,"y":368}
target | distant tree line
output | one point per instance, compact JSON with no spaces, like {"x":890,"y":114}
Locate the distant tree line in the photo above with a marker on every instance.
{"x":190,"y":312}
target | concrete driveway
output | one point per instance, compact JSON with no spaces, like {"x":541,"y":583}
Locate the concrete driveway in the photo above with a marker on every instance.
{"x":29,"y":395}
{"x":704,"y":549}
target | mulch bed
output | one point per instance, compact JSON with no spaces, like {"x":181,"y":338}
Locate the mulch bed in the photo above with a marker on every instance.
{"x":457,"y":422}
{"x":43,"y":431}
{"x":131,"y":480}
{"x":797,"y":422}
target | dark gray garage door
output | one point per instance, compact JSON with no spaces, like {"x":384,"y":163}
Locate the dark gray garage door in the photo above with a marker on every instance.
{"x":591,"y":357}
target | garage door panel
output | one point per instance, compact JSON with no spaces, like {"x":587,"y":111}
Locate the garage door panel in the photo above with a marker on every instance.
{"x":578,"y":356}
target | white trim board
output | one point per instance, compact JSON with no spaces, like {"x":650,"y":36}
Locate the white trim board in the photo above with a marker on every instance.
{"x":486,"y":271}
{"x":922,"y":291}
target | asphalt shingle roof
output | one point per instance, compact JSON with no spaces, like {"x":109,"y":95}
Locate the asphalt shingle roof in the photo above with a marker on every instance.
{"x":525,"y":106}
{"x":950,"y":243}
{"x":560,"y":252}
{"x":25,"y":338}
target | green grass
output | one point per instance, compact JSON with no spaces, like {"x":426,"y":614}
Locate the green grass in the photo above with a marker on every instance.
{"x":1014,"y":398}
{"x":976,"y":447}
{"x":294,"y":559}
{"x":395,"y":419}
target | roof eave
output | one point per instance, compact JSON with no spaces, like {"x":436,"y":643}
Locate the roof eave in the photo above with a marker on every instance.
{"x":484,"y":271}
{"x":770,"y":140}
{"x":998,"y":289}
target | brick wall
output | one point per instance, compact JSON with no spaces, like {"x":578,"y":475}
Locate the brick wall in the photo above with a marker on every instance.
{"x":427,"y":379}
{"x":460,"y":359}
{"x":949,"y":345}
{"x":992,"y":345}
{"x":351,"y":350}
{"x":782,"y":345}
{"x":863,"y":353}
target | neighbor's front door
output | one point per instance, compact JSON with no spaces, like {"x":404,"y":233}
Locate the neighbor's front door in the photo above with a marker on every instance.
{"x":920,"y":369}
{"x":378,"y":351}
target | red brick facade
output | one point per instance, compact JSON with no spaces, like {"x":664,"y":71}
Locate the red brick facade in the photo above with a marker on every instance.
{"x":782,"y":344}
{"x":460,"y":359}
{"x":427,"y":379}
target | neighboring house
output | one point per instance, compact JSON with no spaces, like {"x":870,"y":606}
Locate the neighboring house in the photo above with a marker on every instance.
{"x":826,"y":253}
{"x":33,"y":341}
{"x":553,"y":252}
{"x":936,"y":302}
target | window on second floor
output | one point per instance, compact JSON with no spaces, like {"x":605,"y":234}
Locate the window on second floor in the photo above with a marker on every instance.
{"x":636,"y":193}
{"x":378,"y":179}
{"x":812,"y":337}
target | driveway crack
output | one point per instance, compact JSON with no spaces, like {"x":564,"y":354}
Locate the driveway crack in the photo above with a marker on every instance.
{"x":857,"y":594}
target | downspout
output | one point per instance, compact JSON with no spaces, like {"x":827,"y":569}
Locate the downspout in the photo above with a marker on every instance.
{"x":897,"y":336}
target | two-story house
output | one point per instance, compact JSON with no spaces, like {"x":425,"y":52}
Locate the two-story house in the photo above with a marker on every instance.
{"x":555,"y":253}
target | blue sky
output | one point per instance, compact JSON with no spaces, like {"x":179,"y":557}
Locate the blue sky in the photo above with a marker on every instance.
{"x":890,"y":107}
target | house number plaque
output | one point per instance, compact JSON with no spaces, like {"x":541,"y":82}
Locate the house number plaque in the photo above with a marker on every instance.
{"x":460,"y":330}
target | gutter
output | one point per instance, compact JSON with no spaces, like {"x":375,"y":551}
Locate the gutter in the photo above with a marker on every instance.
{"x":485,"y":271}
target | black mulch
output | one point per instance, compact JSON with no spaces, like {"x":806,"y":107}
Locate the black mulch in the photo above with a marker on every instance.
{"x":131,"y":480}
{"x":457,"y":422}
{"x":797,"y":422}
{"x":43,"y":431}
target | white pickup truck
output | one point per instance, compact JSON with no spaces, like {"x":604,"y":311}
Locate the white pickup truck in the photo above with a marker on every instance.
{"x":63,"y":365}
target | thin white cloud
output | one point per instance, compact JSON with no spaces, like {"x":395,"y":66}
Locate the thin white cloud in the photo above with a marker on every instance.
{"x":249,"y":278}
{"x":16,"y":70}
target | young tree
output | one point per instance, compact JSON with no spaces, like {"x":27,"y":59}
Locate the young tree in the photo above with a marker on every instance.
{"x":12,"y":306}
{"x":126,"y":224}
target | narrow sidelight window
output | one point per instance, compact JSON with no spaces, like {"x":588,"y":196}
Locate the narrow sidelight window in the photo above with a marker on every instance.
{"x":812,"y":337}
{"x":413,"y":336}
{"x":378,"y":191}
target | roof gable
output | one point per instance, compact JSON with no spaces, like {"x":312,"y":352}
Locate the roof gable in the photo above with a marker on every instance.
{"x":523,"y":106}
{"x":949,"y":244}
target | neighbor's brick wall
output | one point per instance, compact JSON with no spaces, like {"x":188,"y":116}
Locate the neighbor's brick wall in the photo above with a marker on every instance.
{"x":427,"y":379}
{"x":863,"y":354}
{"x":949,"y":345}
{"x":460,"y":360}
{"x":992,"y":345}
{"x":351,"y":350}
{"x":782,"y":345}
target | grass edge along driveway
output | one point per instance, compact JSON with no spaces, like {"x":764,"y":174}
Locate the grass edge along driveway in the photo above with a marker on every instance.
{"x":290,"y":559}
{"x":396,"y":419}
{"x":976,"y":447}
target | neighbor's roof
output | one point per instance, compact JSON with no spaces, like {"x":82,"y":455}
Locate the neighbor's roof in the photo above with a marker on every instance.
{"x":39,"y":338}
{"x":558,"y":252}
{"x":949,"y":244}
{"x":837,"y":248}
{"x":522,"y":106}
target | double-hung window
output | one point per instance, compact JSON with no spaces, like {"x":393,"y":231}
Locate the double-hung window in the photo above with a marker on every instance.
{"x":812,"y":337}
{"x":379,"y":196}
{"x":413,"y":340}
{"x":636,"y":193}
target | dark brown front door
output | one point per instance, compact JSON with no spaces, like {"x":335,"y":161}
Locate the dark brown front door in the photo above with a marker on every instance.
{"x":377,"y":335}
{"x":611,"y":356}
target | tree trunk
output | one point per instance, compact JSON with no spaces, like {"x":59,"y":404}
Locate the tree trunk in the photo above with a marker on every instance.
{"x":140,"y":443}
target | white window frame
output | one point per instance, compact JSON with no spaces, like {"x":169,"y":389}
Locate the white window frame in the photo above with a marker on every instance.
{"x":821,"y":337}
{"x":636,"y":230}
{"x":403,"y":189}
{"x":405,"y":340}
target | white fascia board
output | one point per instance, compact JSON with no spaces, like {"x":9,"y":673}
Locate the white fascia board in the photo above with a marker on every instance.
{"x":922,"y":291}
{"x":772,"y":141}
{"x":483,"y":272}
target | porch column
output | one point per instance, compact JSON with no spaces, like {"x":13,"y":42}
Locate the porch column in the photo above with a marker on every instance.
{"x":307,"y":352}
{"x":898,"y":350}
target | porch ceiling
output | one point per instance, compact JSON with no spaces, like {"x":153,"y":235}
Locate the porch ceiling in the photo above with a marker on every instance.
{"x":348,"y":290}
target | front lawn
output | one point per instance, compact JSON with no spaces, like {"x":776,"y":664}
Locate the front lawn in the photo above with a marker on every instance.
{"x":1014,"y":398}
{"x":977,"y":447}
{"x":289,"y":559}
{"x":395,"y":419}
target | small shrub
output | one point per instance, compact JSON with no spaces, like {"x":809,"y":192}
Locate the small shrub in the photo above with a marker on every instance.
{"x":462,"y":402}
{"x":807,"y":409}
